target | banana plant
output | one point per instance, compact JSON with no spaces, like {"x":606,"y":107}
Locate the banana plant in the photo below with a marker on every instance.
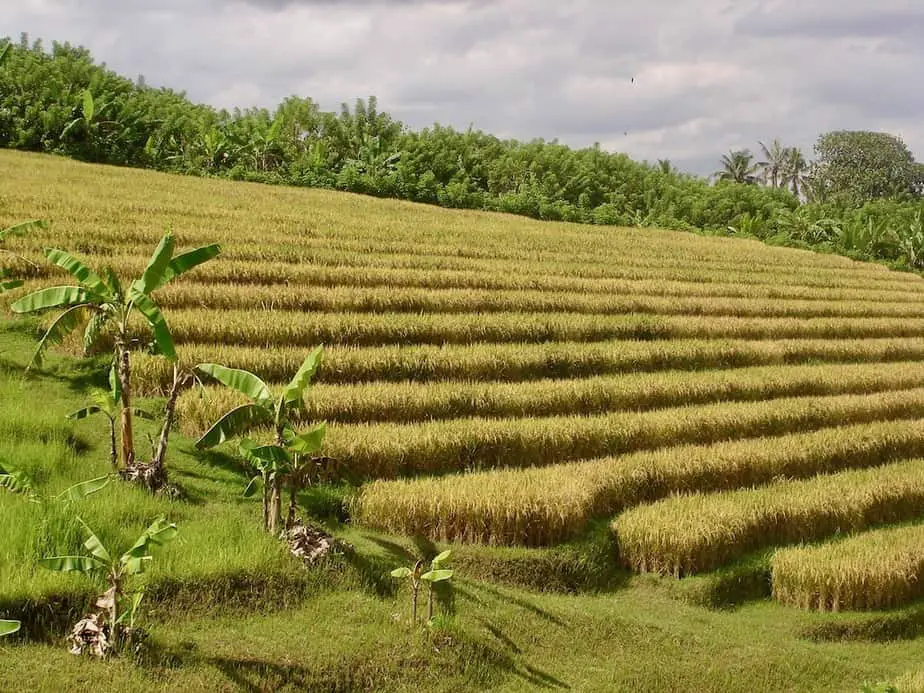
{"x":284,"y":461}
{"x":5,"y":52}
{"x":91,"y":120}
{"x":413,"y":576}
{"x":120,"y":606}
{"x":16,"y":480}
{"x":290,"y":464}
{"x":416,"y":576}
{"x":436,"y":574}
{"x":99,"y":301}
{"x":108,"y":404}
{"x":20,"y":229}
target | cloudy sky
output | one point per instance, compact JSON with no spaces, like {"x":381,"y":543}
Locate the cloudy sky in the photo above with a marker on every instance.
{"x":710,"y":75}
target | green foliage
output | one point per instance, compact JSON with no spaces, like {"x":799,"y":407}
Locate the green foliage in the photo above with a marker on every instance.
{"x":285,"y":462}
{"x":859,"y":166}
{"x":120,"y":605}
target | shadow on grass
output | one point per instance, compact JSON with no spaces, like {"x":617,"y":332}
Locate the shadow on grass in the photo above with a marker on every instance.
{"x":378,"y":670}
{"x":727,"y":588}
{"x":507,"y":598}
{"x":49,"y":619}
{"x":906,"y":624}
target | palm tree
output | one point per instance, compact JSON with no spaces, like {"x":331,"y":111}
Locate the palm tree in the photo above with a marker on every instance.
{"x":795,"y":171}
{"x":738,"y":166}
{"x":773,"y":163}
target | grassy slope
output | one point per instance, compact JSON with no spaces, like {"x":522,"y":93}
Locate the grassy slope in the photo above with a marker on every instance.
{"x":218,"y":596}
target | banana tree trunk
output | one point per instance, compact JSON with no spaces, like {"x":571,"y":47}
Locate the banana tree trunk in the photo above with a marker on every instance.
{"x":160,"y":470}
{"x":275,"y":510}
{"x":125,"y":380}
{"x":113,"y":446}
{"x":114,"y":639}
{"x":266,"y":502}
{"x":294,"y":488}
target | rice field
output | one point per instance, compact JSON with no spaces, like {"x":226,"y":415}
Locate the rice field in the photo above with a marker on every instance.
{"x":493,"y":379}
{"x":694,"y":533}
{"x":873,"y":570}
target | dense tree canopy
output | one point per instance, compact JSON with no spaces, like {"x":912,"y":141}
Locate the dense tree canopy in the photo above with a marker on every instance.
{"x":861,"y":166}
{"x":61,"y":101}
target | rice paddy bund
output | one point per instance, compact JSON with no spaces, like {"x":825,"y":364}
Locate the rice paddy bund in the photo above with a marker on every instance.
{"x":491,"y":379}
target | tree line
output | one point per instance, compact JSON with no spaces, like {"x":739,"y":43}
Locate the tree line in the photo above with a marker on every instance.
{"x":862,"y":196}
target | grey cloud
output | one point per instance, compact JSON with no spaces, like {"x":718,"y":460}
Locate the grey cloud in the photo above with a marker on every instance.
{"x":833,"y":20}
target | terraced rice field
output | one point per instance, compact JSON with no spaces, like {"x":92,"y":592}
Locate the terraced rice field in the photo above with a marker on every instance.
{"x":497,"y":380}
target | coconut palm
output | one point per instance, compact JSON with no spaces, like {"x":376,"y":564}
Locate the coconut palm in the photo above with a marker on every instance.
{"x":773,"y":163}
{"x":666,"y":167}
{"x":795,"y":171}
{"x":738,"y":166}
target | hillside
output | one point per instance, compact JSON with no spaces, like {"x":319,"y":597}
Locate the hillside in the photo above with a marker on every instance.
{"x":621,"y":432}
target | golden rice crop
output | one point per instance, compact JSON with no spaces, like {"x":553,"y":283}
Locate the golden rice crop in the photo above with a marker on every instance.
{"x":544,"y":505}
{"x":617,"y":269}
{"x":517,"y":362}
{"x":554,"y":246}
{"x":696,"y":533}
{"x":911,"y":681}
{"x":410,"y":401}
{"x":299,"y":234}
{"x":242,"y":273}
{"x":873,"y":570}
{"x":381,"y":451}
{"x":267,"y":328}
{"x":214,"y":296}
{"x":206,"y":210}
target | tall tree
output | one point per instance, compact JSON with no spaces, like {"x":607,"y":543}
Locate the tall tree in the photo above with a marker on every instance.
{"x":738,"y":166}
{"x":860,"y":166}
{"x":795,"y":171}
{"x":773,"y":162}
